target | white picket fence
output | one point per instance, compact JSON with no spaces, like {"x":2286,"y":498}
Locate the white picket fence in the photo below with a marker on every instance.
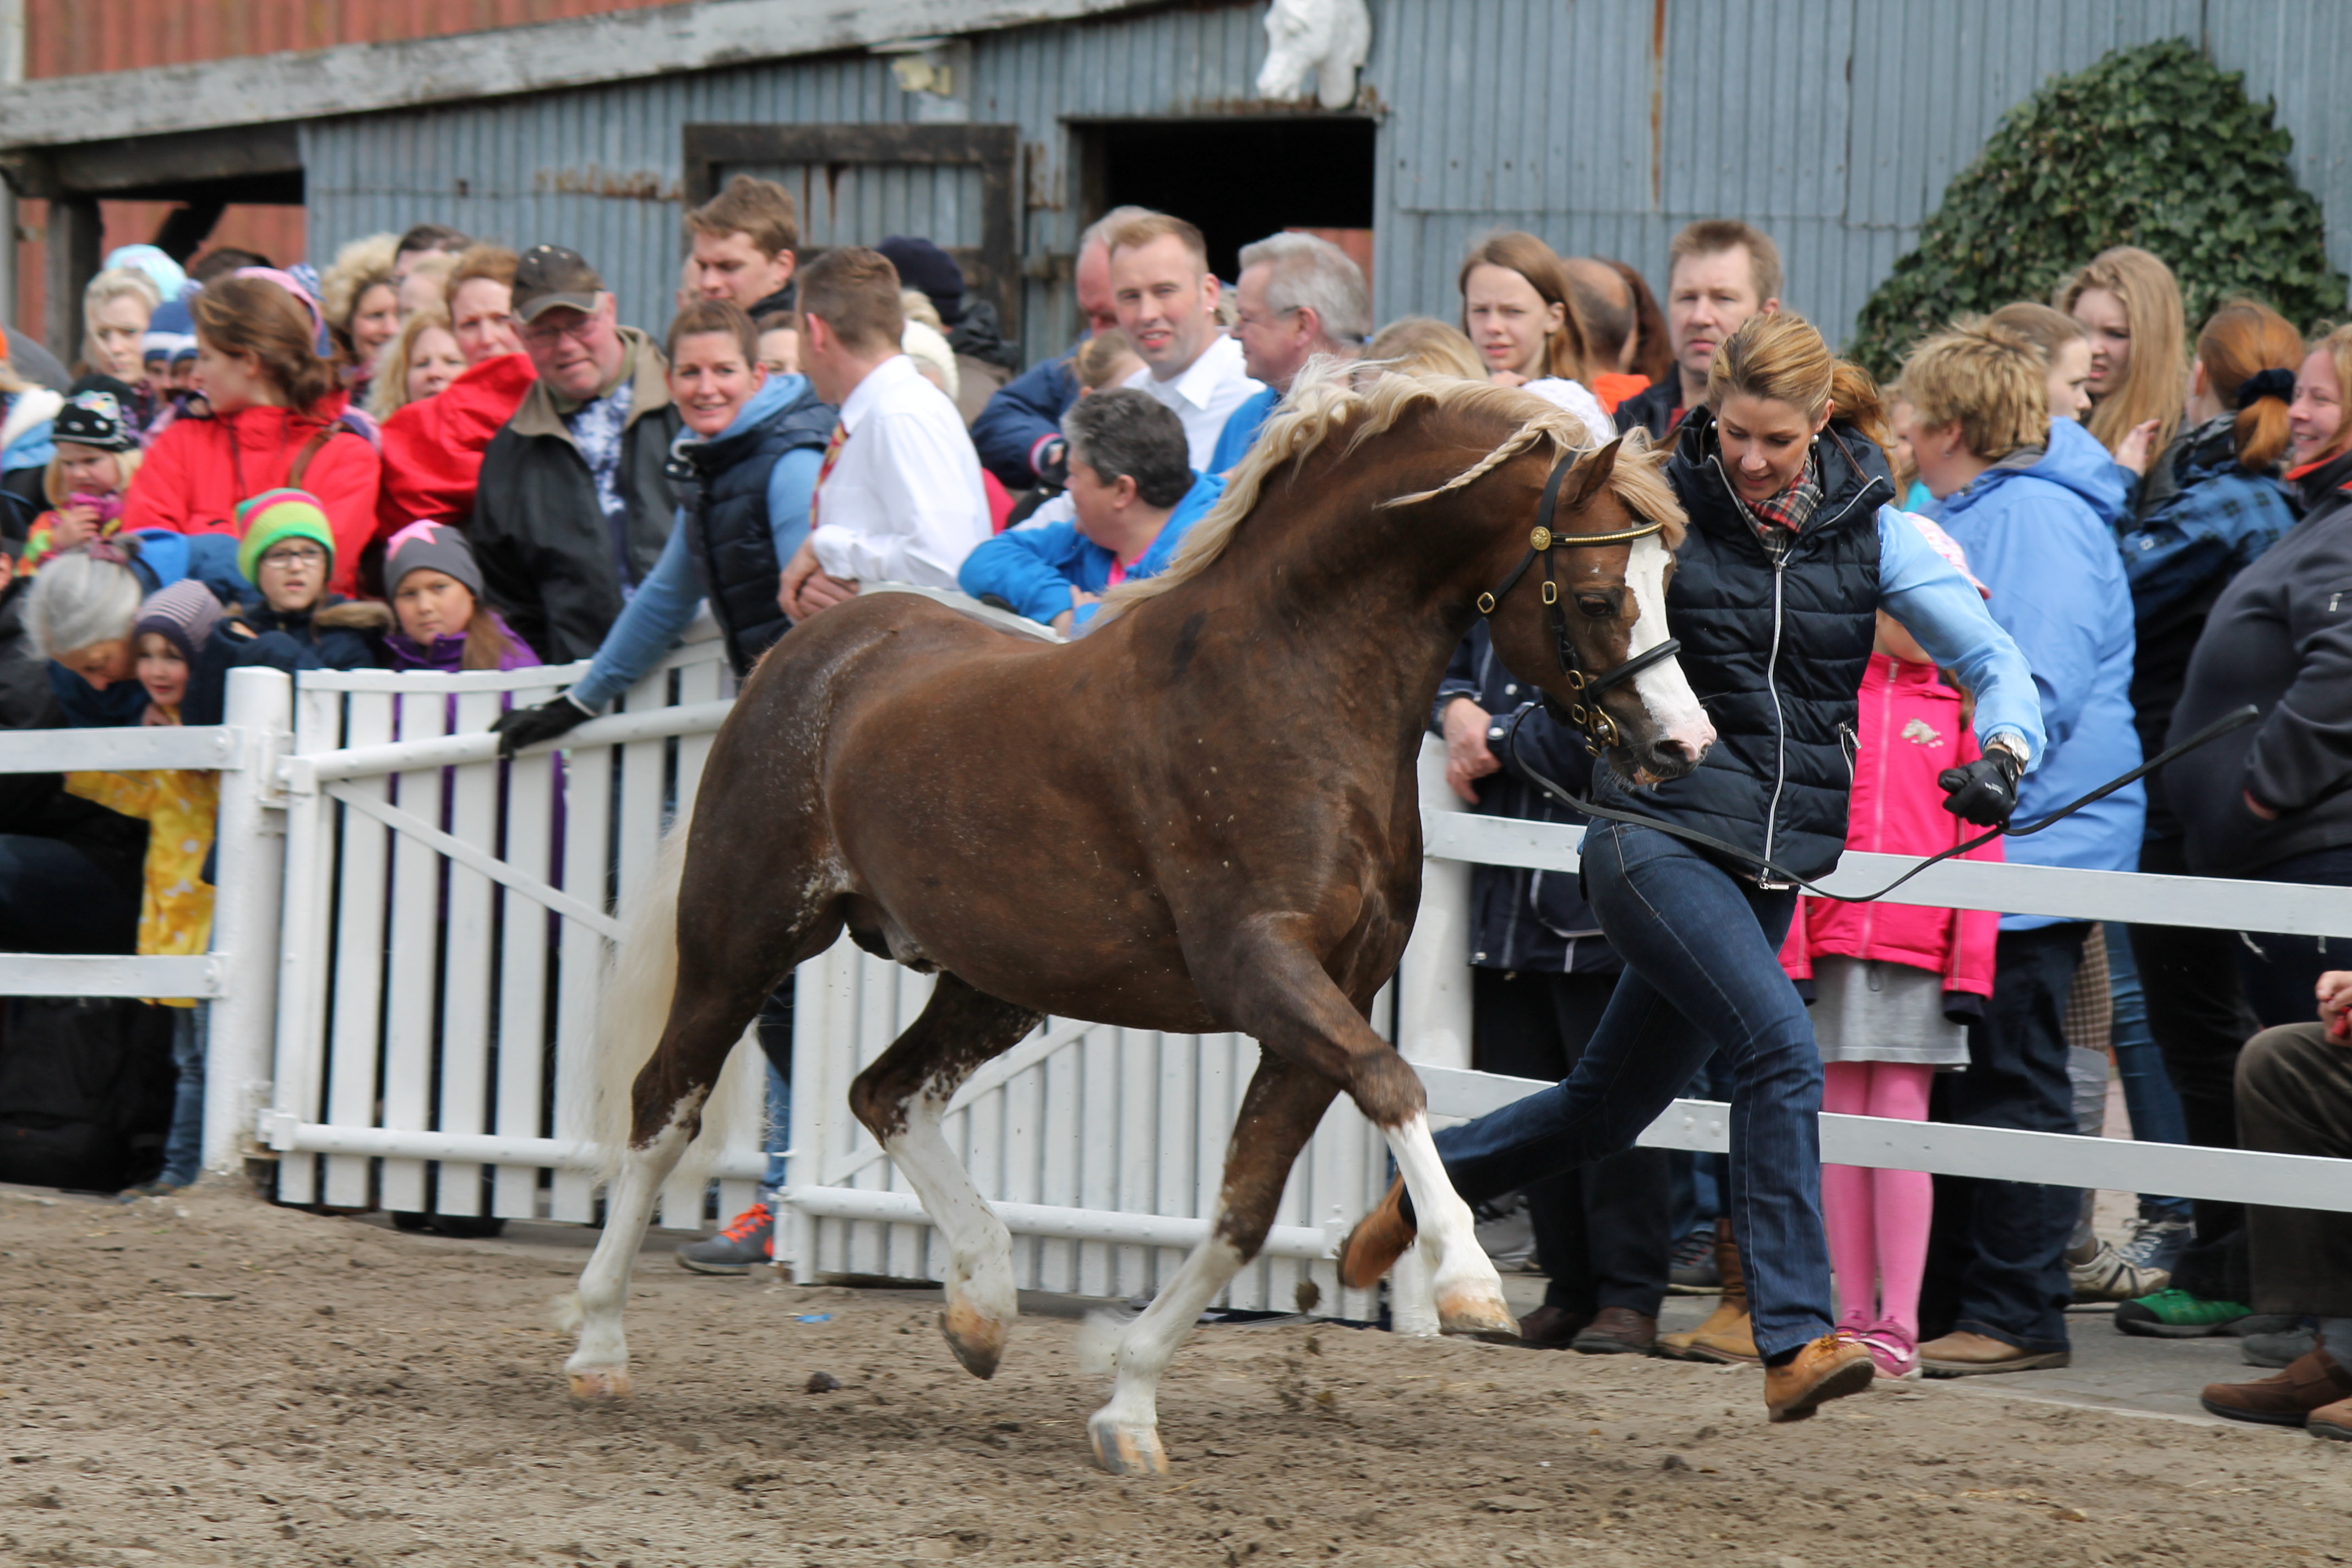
{"x":410,"y":937}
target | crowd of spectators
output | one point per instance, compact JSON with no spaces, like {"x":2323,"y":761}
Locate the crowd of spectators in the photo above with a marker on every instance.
{"x":442,"y":454}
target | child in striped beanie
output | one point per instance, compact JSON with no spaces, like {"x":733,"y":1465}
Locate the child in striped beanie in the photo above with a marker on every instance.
{"x":287,"y":550}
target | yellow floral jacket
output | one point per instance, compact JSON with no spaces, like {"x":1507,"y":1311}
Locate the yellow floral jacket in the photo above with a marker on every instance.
{"x":182,"y":806}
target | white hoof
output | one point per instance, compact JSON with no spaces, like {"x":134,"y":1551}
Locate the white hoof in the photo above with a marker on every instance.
{"x":1126,"y":1450}
{"x":1472,"y":1312}
{"x":977,"y":1337}
{"x":599,"y":1385}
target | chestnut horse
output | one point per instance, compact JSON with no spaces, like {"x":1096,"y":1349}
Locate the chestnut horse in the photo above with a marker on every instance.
{"x":1202,"y":816}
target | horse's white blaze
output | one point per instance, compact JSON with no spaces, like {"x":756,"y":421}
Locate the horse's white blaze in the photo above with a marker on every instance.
{"x":1458,"y":1265}
{"x":1149,"y":1344}
{"x":1672,"y":706}
{"x":980,"y":1249}
{"x":604,"y":1283}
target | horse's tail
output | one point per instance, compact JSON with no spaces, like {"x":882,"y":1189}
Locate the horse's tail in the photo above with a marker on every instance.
{"x":632,"y":1011}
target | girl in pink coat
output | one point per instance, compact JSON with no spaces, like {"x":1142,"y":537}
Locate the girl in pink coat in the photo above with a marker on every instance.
{"x":1892,"y":985}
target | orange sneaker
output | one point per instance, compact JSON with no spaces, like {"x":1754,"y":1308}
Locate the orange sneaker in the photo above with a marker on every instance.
{"x":750,"y":1240}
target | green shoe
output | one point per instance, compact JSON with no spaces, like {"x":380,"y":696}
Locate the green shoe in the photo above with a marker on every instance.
{"x":2178,"y":1315}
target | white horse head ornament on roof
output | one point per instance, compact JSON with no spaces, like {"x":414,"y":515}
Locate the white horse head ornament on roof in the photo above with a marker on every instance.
{"x":1329,"y":37}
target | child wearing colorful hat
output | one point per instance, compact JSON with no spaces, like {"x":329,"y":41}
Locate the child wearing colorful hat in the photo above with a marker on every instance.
{"x":286,"y":548}
{"x":437,"y":597}
{"x":182,"y":809}
{"x":96,"y":457}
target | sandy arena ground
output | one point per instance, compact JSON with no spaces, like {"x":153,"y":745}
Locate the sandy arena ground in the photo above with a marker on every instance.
{"x":207,"y":1380}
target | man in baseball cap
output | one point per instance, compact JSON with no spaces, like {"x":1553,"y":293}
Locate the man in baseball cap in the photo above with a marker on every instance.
{"x":572,"y":507}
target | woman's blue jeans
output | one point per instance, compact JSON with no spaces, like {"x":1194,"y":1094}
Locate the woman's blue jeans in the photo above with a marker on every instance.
{"x":1702,"y":975}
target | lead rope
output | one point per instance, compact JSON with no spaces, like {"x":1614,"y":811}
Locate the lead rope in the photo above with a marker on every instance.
{"x":2212,"y":732}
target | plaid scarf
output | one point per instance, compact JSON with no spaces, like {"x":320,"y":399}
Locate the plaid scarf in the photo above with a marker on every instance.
{"x":1789,"y":511}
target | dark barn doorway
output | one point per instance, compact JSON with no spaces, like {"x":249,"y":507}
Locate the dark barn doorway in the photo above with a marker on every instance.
{"x":1239,"y":180}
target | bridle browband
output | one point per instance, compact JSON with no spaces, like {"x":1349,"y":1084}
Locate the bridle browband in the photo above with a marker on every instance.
{"x":1585,"y":711}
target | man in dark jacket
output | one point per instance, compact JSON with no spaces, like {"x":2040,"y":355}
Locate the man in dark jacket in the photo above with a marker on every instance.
{"x":1719,"y":272}
{"x":985,"y":363}
{"x":1542,"y":975}
{"x":1019,"y":434}
{"x":573,"y":506}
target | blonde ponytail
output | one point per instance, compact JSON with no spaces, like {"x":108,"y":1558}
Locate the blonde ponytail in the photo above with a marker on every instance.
{"x":1782,"y":357}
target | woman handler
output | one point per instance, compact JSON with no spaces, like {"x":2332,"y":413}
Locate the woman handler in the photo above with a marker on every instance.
{"x":1791,"y":552}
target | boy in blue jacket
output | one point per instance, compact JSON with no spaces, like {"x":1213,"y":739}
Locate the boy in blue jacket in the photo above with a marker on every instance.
{"x":1132,"y":496}
{"x":2034,"y":502}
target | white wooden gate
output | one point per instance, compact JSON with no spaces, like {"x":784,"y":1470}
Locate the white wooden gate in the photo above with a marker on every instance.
{"x":446,"y":924}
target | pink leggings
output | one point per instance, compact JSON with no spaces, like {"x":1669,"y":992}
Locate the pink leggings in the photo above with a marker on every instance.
{"x":1877,"y":1220}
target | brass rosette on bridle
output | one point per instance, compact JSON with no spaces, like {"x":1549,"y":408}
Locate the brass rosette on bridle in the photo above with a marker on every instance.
{"x":1600,"y":730}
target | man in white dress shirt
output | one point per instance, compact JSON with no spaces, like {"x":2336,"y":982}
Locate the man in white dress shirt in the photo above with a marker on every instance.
{"x":899,"y":498}
{"x":1167,"y":303}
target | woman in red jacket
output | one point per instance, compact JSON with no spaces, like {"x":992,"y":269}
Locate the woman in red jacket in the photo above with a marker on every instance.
{"x":1894,"y":984}
{"x":276,"y":421}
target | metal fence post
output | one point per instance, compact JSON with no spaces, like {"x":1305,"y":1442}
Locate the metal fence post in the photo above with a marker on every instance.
{"x":1434,"y":978}
{"x":250,"y":844}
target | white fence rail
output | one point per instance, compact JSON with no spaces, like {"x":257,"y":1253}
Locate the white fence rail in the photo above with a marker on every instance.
{"x":410,"y":940}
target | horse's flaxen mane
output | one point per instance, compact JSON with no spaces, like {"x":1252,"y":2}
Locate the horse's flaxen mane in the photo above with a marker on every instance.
{"x":1325,"y":402}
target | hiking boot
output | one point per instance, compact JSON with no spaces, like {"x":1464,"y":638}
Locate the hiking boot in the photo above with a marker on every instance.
{"x":748,"y":1240}
{"x":2106,"y":1275}
{"x":1692,"y":1270}
{"x":2281,"y":1349}
{"x":2331,"y":1421}
{"x":2158,"y":1243}
{"x":2178,"y":1315}
{"x":1964,"y":1354}
{"x":1618,"y":1331}
{"x":1830,"y":1368}
{"x":1549,"y":1328}
{"x":1378,"y":1240}
{"x":2288,"y":1398}
{"x":1727,"y":1335}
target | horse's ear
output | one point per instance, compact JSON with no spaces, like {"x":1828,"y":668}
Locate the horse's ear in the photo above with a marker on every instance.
{"x":1591,"y":472}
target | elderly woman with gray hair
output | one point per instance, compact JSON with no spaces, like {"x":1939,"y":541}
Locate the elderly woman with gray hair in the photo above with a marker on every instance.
{"x":70,"y":868}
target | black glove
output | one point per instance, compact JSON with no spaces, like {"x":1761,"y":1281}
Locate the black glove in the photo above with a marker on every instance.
{"x":529,"y":726}
{"x":1054,"y":464}
{"x":1985,"y":792}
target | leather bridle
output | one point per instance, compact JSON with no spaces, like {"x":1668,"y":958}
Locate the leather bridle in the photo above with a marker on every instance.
{"x":1584,"y":712}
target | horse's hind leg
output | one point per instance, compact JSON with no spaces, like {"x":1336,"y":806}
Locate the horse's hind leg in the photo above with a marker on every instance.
{"x":1284,"y":1105}
{"x":702,"y":992}
{"x":901,"y":1098}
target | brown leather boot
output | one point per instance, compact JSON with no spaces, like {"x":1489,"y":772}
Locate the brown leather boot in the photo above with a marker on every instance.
{"x":1726,"y":1336}
{"x":1378,"y":1240}
{"x":1618,"y":1331}
{"x":2288,"y":1398}
{"x":1830,"y":1368}
{"x":1550,"y":1328}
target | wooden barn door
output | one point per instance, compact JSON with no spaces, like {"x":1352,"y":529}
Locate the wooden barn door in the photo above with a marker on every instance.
{"x":953,"y":185}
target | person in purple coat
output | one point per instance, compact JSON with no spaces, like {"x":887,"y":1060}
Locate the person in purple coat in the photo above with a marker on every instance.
{"x":437,"y":597}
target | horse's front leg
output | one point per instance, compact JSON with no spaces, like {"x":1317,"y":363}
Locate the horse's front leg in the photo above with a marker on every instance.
{"x":901,"y":1098}
{"x":1282,"y":996}
{"x":1284,"y":1105}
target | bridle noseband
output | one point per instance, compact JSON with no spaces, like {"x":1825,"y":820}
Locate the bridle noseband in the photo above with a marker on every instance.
{"x":1585,"y":713}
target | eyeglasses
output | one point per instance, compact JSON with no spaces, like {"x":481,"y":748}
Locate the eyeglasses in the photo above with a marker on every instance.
{"x":543,"y":337}
{"x":292,"y":554}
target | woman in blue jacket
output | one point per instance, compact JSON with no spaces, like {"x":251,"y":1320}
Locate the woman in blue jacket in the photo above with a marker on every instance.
{"x":1132,"y":496}
{"x":2034,"y":501}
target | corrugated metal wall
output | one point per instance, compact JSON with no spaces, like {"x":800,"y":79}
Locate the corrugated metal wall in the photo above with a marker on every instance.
{"x":1602,"y":125}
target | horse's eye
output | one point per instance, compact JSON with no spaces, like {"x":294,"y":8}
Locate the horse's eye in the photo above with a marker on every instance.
{"x":1600,"y":606}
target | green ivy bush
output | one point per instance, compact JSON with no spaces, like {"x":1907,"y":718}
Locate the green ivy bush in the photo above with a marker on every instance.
{"x":2153,"y":147}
